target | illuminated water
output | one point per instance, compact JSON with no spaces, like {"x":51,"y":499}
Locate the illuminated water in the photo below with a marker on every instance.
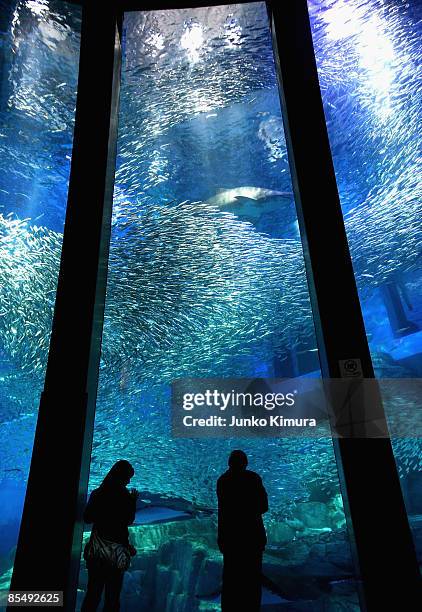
{"x":197,"y":289}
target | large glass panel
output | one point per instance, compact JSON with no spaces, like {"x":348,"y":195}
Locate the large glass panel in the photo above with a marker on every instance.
{"x":206,"y":279}
{"x":368,"y":56}
{"x":39,"y":54}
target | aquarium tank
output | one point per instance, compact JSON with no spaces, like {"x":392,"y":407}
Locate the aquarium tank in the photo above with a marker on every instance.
{"x":39,"y":56}
{"x":206,"y":271}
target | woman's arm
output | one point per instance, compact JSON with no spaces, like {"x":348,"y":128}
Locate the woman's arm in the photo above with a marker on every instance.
{"x":131,"y":505}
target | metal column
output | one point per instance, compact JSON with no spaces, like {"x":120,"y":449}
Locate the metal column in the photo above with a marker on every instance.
{"x":48,"y":551}
{"x":381,"y":540}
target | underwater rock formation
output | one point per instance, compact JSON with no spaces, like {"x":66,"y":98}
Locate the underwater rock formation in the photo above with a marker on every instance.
{"x":178,"y":564}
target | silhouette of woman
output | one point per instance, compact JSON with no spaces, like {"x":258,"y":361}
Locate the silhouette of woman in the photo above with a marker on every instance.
{"x":111,"y":508}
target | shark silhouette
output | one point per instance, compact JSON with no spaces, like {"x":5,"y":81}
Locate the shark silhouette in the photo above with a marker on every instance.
{"x":249,"y":203}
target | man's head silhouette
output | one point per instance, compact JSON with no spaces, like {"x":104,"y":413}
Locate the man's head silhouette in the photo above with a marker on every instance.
{"x":238,"y":460}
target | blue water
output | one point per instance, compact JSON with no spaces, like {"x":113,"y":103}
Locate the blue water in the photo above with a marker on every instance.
{"x":206,"y":289}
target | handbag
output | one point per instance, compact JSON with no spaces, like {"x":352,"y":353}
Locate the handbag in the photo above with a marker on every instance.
{"x":111,"y":554}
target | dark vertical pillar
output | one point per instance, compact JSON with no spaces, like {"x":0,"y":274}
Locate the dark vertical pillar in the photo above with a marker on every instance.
{"x":382,"y":541}
{"x":50,"y":536}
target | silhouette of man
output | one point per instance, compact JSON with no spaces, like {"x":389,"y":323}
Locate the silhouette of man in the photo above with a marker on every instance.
{"x":242,"y":500}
